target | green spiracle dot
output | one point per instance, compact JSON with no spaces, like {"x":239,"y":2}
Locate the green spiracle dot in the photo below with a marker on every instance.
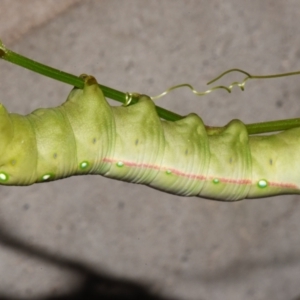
{"x":46,"y":177}
{"x":84,"y":165}
{"x":168,"y":172}
{"x":262,"y":183}
{"x":120,"y":164}
{"x":3,"y":177}
{"x":216,"y":180}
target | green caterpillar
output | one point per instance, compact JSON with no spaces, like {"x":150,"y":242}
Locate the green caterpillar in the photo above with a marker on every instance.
{"x":85,"y":135}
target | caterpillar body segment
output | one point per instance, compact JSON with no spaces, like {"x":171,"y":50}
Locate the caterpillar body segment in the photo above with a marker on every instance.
{"x":275,"y":164}
{"x":85,"y":135}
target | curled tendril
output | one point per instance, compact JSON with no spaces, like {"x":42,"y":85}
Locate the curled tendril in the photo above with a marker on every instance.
{"x":229,"y":88}
{"x":130,"y":97}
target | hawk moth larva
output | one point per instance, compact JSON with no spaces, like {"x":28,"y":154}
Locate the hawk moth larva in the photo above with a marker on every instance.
{"x":85,"y":135}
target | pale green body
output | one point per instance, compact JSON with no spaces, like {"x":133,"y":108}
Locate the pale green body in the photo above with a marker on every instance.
{"x":87,"y":136}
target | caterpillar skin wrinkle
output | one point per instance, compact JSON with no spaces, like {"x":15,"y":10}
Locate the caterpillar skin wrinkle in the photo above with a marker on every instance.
{"x":85,"y":135}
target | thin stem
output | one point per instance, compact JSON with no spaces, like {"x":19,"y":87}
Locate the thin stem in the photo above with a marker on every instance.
{"x":263,"y":127}
{"x":37,"y":67}
{"x":73,"y":80}
{"x":32,"y":65}
{"x":272,"y":126}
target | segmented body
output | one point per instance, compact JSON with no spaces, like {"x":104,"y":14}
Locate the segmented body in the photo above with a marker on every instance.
{"x":86,"y":135}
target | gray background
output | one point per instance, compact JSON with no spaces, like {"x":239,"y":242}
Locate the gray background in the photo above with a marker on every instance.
{"x":94,"y":235}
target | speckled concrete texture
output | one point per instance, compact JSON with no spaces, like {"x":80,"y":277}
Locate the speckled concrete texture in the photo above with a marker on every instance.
{"x":94,"y":238}
{"x":19,"y":17}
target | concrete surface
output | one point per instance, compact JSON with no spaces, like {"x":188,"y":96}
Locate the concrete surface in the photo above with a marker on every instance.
{"x":94,"y":238}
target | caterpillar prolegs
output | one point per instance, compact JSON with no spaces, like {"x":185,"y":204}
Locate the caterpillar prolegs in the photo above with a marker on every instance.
{"x":85,"y":135}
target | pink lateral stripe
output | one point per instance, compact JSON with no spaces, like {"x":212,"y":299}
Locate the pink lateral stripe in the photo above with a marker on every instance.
{"x":284,"y":185}
{"x":198,"y":177}
{"x":235,"y":181}
{"x":155,"y":167}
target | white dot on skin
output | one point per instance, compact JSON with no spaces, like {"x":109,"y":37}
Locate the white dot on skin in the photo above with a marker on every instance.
{"x":262,"y":183}
{"x":3,"y":176}
{"x":47,"y":176}
{"x":120,"y":164}
{"x":83,"y":165}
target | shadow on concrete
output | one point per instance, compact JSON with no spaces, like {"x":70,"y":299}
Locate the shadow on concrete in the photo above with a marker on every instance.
{"x":94,"y":285}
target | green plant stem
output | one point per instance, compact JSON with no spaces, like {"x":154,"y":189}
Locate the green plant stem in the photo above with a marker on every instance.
{"x":272,"y":126}
{"x":263,"y":127}
{"x":73,"y":80}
